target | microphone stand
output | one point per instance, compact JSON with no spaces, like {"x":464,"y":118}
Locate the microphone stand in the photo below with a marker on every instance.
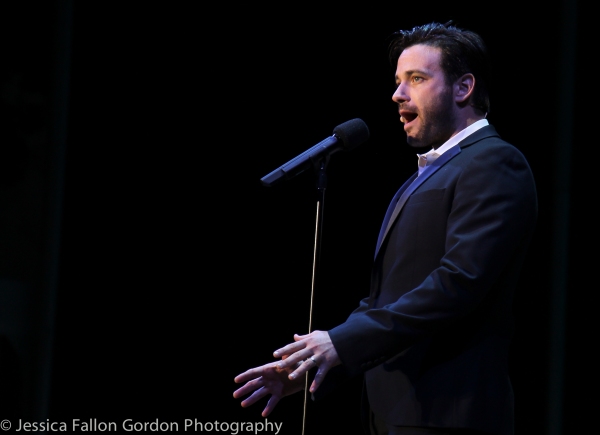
{"x":321,"y":178}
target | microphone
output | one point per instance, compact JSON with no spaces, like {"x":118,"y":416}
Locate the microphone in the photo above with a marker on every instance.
{"x":346,"y":136}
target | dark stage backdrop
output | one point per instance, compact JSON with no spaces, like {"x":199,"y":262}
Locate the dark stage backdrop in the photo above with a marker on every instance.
{"x":153,"y":265}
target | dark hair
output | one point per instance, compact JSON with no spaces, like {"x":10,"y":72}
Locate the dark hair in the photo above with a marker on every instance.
{"x":463,"y":51}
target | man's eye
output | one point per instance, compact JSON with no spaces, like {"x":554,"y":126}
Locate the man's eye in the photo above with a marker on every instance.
{"x":417,"y":79}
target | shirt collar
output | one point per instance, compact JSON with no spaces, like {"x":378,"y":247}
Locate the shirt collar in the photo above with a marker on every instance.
{"x":454,"y":140}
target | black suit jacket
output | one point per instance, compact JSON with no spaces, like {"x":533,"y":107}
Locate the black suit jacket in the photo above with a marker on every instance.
{"x":433,"y":336}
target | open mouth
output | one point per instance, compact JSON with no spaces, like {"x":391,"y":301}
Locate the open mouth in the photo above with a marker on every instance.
{"x":406,"y":117}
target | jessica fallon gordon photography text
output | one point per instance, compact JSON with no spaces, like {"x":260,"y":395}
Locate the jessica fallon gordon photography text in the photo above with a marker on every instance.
{"x":129,"y":425}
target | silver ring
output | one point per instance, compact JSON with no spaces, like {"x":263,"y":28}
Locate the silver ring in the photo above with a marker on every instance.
{"x":312,"y":358}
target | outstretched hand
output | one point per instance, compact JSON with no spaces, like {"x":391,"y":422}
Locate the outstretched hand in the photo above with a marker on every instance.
{"x":264,"y":380}
{"x":286,"y":377}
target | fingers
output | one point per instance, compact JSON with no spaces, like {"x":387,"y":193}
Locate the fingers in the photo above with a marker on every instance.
{"x":273,"y":401}
{"x":307,"y":365}
{"x":254,"y":397}
{"x":300,"y":342}
{"x":267,"y":380}
{"x":300,"y":362}
{"x":247,"y":375}
{"x":319,"y":376}
{"x":254,"y":373}
{"x":289,"y":349}
{"x":247,"y":388}
{"x":302,"y":368}
{"x":243,"y":377}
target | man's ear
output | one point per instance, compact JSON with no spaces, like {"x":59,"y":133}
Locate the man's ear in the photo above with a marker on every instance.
{"x":463,"y":88}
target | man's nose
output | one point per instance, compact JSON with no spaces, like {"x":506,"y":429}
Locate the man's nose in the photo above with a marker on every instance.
{"x":399,"y":95}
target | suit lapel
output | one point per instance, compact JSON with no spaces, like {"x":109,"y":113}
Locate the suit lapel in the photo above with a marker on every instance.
{"x":390,"y":210}
{"x":407,"y":189}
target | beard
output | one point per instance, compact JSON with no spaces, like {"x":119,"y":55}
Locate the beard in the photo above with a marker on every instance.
{"x":437,"y":123}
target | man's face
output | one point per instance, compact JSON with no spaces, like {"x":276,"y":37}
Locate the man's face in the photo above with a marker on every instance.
{"x":425,"y":101}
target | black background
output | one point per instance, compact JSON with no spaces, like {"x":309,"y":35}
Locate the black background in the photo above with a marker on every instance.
{"x":178,"y":269}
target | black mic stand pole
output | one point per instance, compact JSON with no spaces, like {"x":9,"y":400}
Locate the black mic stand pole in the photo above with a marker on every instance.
{"x":321,"y":177}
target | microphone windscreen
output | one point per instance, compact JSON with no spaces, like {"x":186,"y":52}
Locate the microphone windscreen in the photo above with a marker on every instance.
{"x":352,"y":133}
